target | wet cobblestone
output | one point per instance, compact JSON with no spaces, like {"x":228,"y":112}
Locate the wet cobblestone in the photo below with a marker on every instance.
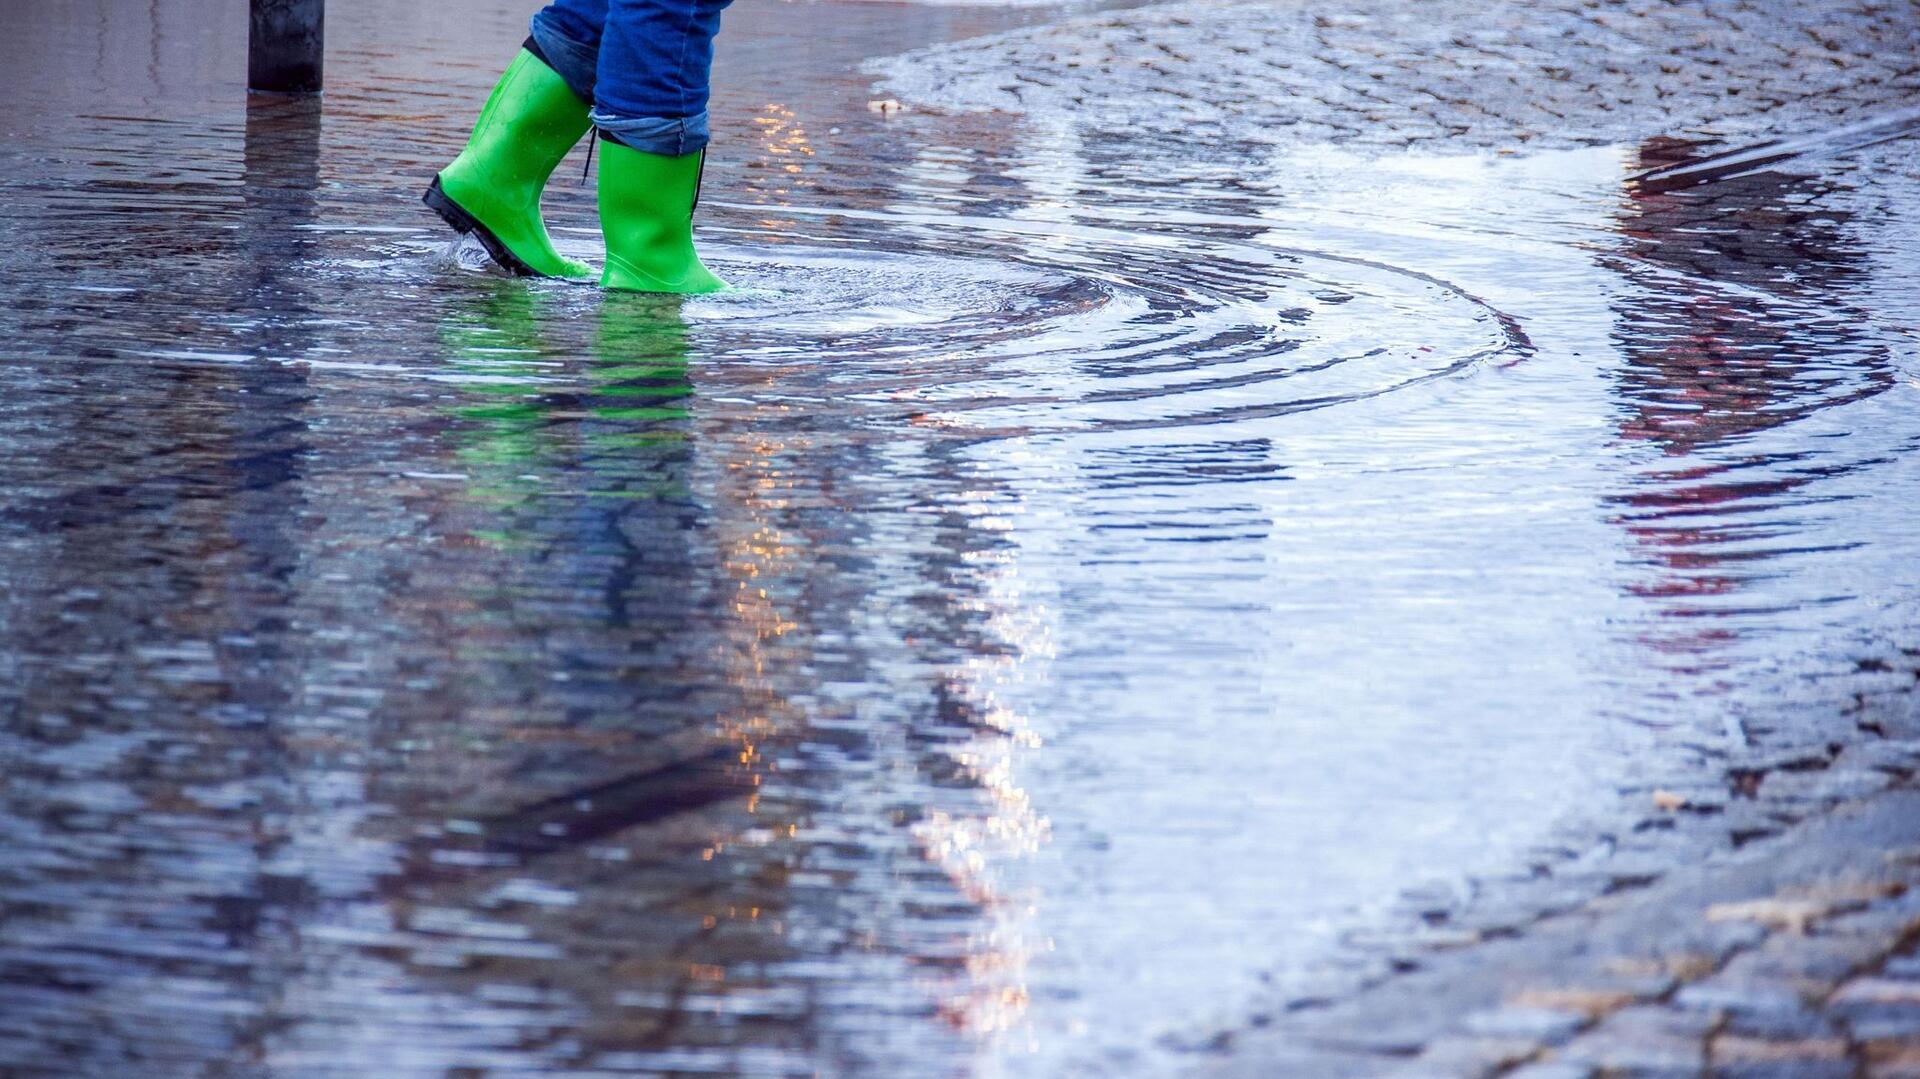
{"x":1612,"y":962}
{"x":1797,"y":960}
{"x":1389,"y":74}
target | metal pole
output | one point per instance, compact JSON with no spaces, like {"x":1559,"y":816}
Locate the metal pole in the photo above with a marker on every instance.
{"x":284,"y":45}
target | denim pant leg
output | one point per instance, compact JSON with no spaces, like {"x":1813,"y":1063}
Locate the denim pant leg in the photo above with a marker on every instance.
{"x":656,"y":58}
{"x":568,"y":33}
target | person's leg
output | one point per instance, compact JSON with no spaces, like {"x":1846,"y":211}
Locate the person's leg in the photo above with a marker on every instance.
{"x":656,"y":60}
{"x":567,"y":34}
{"x":536,"y":113}
{"x":650,"y":103}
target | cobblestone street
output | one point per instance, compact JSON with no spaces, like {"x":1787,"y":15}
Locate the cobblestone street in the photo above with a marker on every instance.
{"x":1440,"y":75}
{"x":1793,"y":960}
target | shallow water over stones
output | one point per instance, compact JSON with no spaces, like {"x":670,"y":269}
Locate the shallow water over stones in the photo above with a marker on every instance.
{"x":1048,"y":613}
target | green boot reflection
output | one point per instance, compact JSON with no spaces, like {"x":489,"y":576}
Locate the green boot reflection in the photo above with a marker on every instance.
{"x":505,"y":367}
{"x":641,"y":393}
{"x":537,"y":422}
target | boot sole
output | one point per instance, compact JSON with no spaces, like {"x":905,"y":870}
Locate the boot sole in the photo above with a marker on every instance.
{"x":465,"y":223}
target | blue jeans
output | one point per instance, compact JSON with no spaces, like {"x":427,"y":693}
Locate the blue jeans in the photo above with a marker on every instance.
{"x":644,"y":64}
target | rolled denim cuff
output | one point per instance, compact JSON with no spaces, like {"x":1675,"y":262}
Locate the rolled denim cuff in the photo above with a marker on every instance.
{"x":671,"y":136}
{"x":576,"y":63}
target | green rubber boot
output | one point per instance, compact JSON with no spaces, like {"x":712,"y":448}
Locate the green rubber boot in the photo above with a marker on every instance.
{"x":646,"y":211}
{"x":493,"y":188}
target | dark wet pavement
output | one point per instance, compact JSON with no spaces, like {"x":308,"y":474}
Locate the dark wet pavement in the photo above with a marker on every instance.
{"x":1051,"y":610}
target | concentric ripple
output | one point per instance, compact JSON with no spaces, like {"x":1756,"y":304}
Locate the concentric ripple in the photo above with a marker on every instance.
{"x":1098,"y":330}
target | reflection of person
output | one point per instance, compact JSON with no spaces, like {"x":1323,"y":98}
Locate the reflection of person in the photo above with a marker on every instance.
{"x":530,"y":412}
{"x":637,"y":70}
{"x":1745,"y":325}
{"x":1741,"y":323}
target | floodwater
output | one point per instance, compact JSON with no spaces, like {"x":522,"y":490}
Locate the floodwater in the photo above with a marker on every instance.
{"x":1045,"y":615}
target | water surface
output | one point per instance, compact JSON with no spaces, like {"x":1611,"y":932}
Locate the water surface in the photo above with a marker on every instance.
{"x":1049,"y":611}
